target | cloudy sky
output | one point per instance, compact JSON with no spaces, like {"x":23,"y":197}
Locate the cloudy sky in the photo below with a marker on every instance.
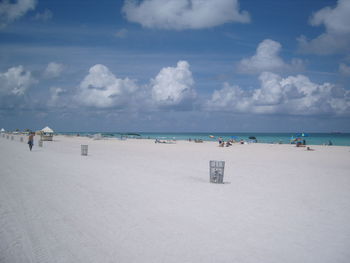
{"x":175,"y":65}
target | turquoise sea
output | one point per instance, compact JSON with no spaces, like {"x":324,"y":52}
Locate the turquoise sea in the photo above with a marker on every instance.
{"x":340,"y":139}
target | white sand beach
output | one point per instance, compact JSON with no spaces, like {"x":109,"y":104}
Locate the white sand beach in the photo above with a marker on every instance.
{"x":137,"y":201}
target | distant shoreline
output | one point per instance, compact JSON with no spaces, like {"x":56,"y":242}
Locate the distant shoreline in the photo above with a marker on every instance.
{"x":337,"y":139}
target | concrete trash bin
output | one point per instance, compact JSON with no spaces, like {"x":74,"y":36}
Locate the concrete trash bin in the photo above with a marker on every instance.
{"x":84,"y":150}
{"x":40,"y":143}
{"x":12,"y":138}
{"x":21,"y":139}
{"x":217,"y":171}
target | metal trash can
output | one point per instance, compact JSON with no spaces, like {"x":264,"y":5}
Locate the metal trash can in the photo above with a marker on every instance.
{"x":12,"y":138}
{"x":217,"y":171}
{"x":84,"y":150}
{"x":21,"y":139}
{"x":40,"y":143}
{"x":7,"y":137}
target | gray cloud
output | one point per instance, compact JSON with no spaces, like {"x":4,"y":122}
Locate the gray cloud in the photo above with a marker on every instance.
{"x":13,"y":88}
{"x":15,"y":81}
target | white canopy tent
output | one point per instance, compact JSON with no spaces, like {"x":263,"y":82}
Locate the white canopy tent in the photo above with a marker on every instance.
{"x":46,"y":134}
{"x":47,"y":130}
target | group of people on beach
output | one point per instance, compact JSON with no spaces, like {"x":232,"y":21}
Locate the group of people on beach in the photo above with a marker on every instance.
{"x":228,"y":143}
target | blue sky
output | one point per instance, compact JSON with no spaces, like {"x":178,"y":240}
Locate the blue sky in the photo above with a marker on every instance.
{"x":175,"y":65}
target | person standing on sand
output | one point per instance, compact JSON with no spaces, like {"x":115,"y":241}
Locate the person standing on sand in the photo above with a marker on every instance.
{"x":31,"y":140}
{"x":220,"y":140}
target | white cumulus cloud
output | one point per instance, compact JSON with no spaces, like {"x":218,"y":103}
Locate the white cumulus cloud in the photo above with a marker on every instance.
{"x":102,"y":89}
{"x":15,"y":81}
{"x":294,"y":95}
{"x":184,"y":14}
{"x":53,"y":70}
{"x":344,"y":69}
{"x":55,"y":99}
{"x":336,"y":37}
{"x":267,"y":59}
{"x":12,"y":10}
{"x":173,"y":86}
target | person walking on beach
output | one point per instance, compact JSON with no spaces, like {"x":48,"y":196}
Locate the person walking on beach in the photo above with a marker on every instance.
{"x":31,"y":140}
